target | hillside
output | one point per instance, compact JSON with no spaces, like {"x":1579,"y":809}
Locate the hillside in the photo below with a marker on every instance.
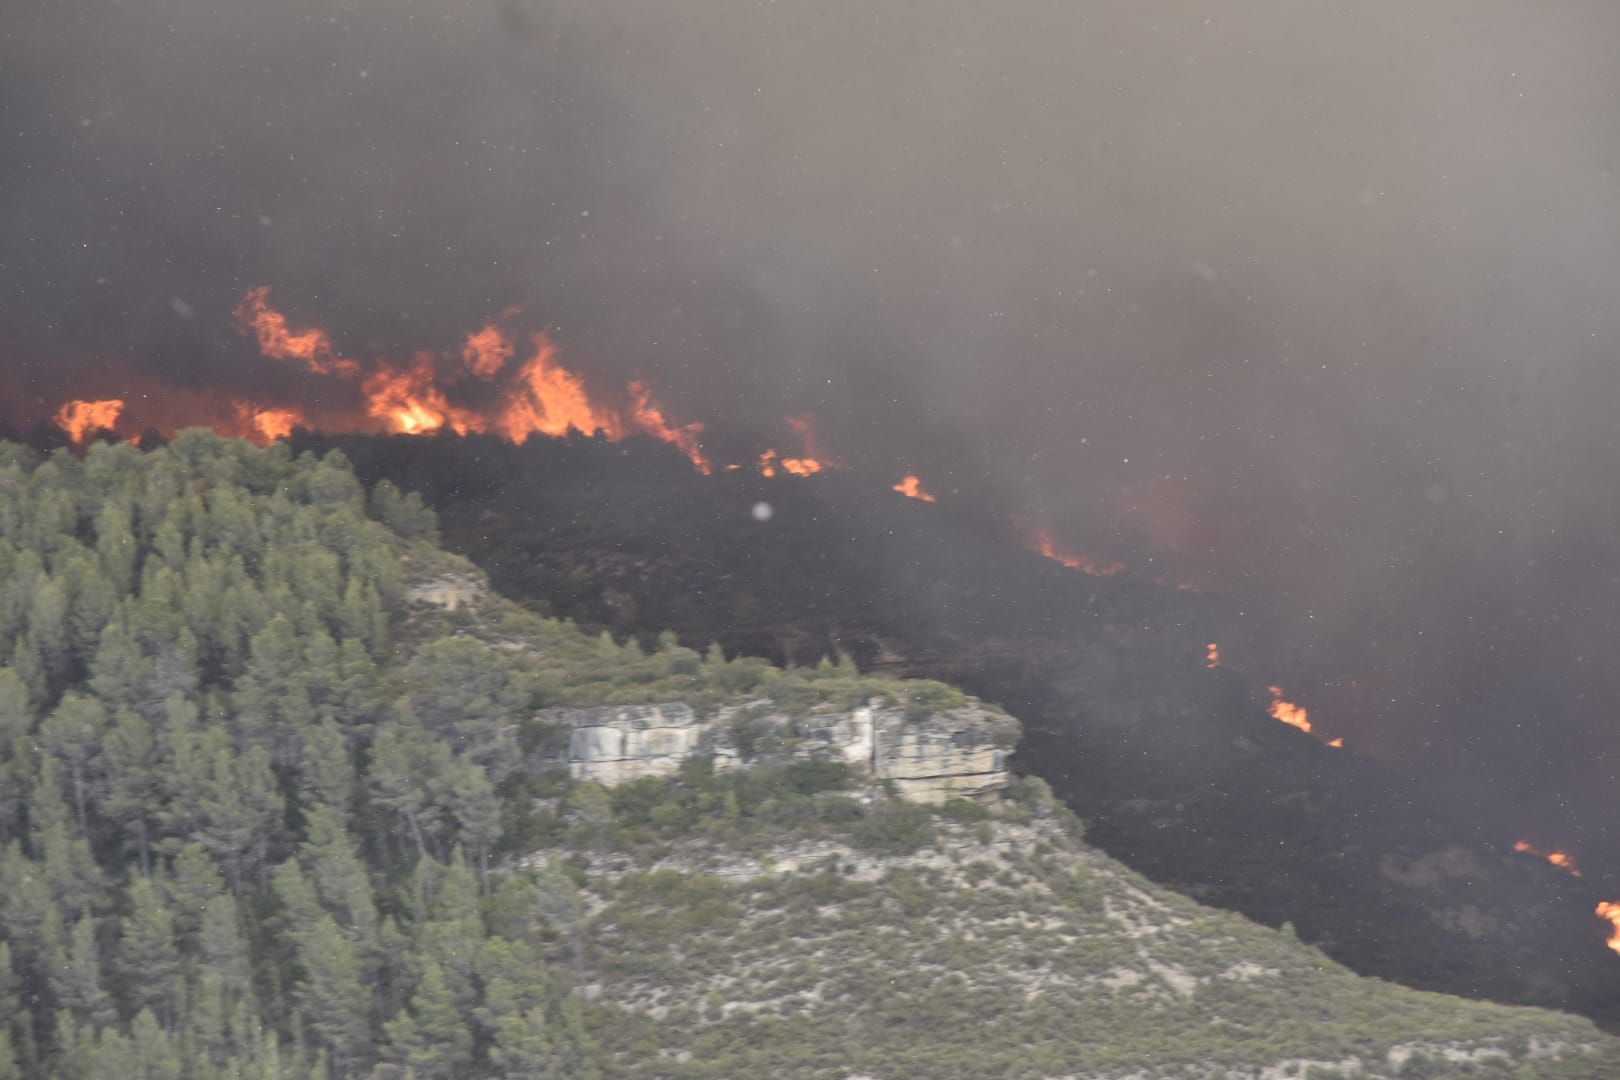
{"x":1179,"y":769}
{"x":288,"y":791}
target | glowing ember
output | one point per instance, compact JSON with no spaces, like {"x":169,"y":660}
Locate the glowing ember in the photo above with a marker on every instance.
{"x":770,"y":463}
{"x":1609,"y":910}
{"x":802,"y":466}
{"x":1561,"y":859}
{"x":487,"y":352}
{"x":911,"y":487}
{"x":276,"y":341}
{"x":813,"y":460}
{"x":1337,"y":744}
{"x":1212,"y":658}
{"x":81,"y":419}
{"x":1286,"y":711}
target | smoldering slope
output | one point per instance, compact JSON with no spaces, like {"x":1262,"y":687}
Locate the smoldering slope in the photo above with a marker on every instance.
{"x":1310,"y":301}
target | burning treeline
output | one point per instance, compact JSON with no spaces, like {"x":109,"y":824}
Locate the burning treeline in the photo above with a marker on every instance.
{"x":535,"y":395}
{"x":498,"y":382}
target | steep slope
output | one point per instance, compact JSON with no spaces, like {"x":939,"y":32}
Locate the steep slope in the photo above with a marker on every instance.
{"x":1178,"y":768}
{"x":290,"y":792}
{"x":261,"y":756}
{"x":998,"y":947}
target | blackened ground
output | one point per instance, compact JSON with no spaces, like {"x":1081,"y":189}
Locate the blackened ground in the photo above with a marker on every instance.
{"x":1178,"y":769}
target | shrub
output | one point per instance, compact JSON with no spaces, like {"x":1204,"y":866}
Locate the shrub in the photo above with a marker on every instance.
{"x":895,"y":828}
{"x":963,"y":811}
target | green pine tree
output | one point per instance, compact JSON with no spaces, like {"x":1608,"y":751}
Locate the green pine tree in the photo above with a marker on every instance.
{"x":149,"y":958}
{"x":432,"y":1037}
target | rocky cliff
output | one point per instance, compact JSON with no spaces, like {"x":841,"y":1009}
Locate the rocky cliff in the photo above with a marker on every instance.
{"x":928,"y":757}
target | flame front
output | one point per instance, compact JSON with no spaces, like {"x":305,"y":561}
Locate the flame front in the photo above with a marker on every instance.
{"x":911,"y":487}
{"x":539,"y":396}
{"x":1608,"y":909}
{"x":813,"y":460}
{"x":1561,"y":859}
{"x":1286,"y":711}
{"x":1042,"y":541}
{"x":81,"y":419}
{"x":649,"y":419}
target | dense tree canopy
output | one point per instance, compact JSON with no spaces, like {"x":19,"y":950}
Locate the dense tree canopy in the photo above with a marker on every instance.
{"x":245,"y":820}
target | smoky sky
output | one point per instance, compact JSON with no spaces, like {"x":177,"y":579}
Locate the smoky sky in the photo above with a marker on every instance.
{"x":1313,"y":302}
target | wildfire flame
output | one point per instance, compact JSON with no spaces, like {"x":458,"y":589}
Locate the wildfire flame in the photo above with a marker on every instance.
{"x":1212,"y":657}
{"x":1337,"y":744}
{"x":537,"y":396}
{"x":543,"y":397}
{"x":487,"y":352}
{"x":649,"y":419}
{"x":1561,"y":859}
{"x":313,"y":347}
{"x":266,"y":425}
{"x":1041,"y":540}
{"x":1286,"y":711}
{"x":911,"y":487}
{"x":1608,"y":909}
{"x":551,"y":400}
{"x":410,"y":402}
{"x":770,"y":463}
{"x":813,"y":460}
{"x":81,"y":419}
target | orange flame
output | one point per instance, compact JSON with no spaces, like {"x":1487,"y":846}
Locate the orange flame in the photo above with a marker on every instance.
{"x":1609,"y":910}
{"x":82,"y":419}
{"x":770,"y":463}
{"x":551,"y":400}
{"x":276,"y":341}
{"x":911,"y":487}
{"x":1561,"y":859}
{"x":1286,"y":711}
{"x":649,"y":418}
{"x":1212,"y":658}
{"x":266,"y":425}
{"x":410,"y":402}
{"x":539,"y":397}
{"x":1337,"y":744}
{"x":814,"y":459}
{"x":1042,"y":542}
{"x":486,"y":353}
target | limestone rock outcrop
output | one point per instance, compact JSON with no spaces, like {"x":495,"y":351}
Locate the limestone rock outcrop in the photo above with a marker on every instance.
{"x":449,"y":591}
{"x":929,"y":758}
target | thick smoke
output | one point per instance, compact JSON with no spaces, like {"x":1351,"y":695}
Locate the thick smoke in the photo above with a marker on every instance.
{"x":1311,"y":301}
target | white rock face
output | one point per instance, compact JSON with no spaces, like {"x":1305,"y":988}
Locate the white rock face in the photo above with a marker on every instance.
{"x":617,"y":743}
{"x":449,"y":592}
{"x":956,"y":752}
